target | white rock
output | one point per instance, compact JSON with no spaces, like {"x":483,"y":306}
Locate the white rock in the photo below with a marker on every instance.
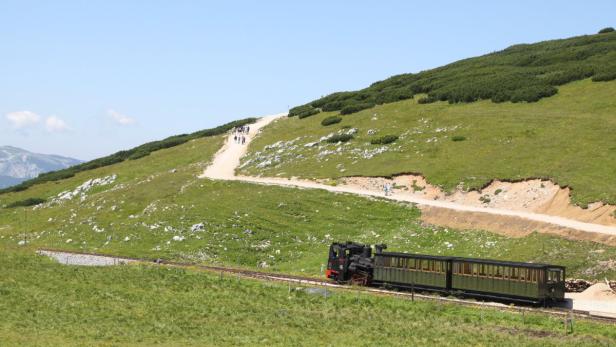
{"x":197,"y":227}
{"x":178,"y":238}
{"x":126,"y":239}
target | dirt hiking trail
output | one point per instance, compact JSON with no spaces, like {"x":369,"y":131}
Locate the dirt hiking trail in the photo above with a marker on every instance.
{"x":508,"y":221}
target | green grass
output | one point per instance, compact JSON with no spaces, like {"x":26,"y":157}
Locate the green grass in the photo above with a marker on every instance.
{"x":48,"y":304}
{"x":568,"y":138}
{"x":247,"y":224}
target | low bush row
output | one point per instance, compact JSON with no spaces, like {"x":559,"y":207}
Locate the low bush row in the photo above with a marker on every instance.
{"x":520,"y":73}
{"x":331,"y":120}
{"x":26,"y":202}
{"x":340,"y":138}
{"x":384,"y":140}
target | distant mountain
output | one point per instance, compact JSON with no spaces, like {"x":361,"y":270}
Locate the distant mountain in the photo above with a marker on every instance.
{"x":17,"y":165}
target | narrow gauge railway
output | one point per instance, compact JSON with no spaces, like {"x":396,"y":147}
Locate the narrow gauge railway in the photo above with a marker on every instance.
{"x":311,"y":281}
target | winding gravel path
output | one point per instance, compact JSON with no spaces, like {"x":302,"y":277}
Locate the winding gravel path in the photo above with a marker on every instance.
{"x":228,"y":159}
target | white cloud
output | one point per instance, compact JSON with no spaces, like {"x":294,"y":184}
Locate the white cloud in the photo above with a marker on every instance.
{"x":120,"y":118}
{"x":22,"y":119}
{"x":55,"y":124}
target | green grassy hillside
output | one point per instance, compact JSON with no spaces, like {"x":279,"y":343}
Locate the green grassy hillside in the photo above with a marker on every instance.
{"x":568,"y":138}
{"x":526,"y":72}
{"x":47,"y":304}
{"x":154,"y":202}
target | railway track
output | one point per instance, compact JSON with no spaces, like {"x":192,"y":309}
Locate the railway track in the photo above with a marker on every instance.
{"x":311,"y":281}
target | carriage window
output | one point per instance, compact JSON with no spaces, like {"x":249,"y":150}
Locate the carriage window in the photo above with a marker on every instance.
{"x":522,"y":274}
{"x":498,"y":271}
{"x":514,"y":273}
{"x":554,"y":275}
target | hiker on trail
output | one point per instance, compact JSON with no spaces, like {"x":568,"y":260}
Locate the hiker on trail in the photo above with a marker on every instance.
{"x":235,"y":138}
{"x":247,"y":129}
{"x":243,"y":139}
{"x":387,"y":188}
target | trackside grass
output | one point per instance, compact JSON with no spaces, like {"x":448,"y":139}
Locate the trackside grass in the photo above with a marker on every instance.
{"x":568,"y":138}
{"x":48,"y":304}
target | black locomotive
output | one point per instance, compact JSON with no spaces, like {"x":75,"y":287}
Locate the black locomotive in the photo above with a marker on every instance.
{"x":507,"y":281}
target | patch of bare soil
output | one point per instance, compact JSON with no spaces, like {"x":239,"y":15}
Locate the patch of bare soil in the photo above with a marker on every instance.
{"x":511,"y":226}
{"x":535,"y":195}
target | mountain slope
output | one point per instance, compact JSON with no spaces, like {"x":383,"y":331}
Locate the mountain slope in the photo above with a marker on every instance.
{"x":525,"y":72}
{"x":567,"y":138}
{"x":17,"y":165}
{"x":157,"y":207}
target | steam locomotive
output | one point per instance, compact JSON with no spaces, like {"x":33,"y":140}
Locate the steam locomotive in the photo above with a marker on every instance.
{"x":507,"y":281}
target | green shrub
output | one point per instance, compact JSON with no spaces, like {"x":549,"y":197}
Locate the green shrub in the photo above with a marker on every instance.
{"x":458,"y":138}
{"x":604,"y":76}
{"x":331,"y":120}
{"x":26,"y":202}
{"x":383,"y":140}
{"x":498,"y":191}
{"x":485,"y":199}
{"x":340,"y":138}
{"x":426,"y":100}
{"x":356,"y":107}
{"x":606,"y":30}
{"x":303,"y":111}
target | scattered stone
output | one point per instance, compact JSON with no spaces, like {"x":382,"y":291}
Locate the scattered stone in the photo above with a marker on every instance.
{"x":178,"y":238}
{"x":197,"y":227}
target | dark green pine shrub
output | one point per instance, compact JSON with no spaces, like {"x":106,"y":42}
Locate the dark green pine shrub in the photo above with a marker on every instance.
{"x":340,"y":138}
{"x":384,"y":140}
{"x":303,"y":111}
{"x":26,"y":202}
{"x":606,"y":30}
{"x":458,"y":138}
{"x":356,"y":107}
{"x":331,"y":120}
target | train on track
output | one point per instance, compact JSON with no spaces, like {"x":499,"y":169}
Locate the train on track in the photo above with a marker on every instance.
{"x":505,"y":281}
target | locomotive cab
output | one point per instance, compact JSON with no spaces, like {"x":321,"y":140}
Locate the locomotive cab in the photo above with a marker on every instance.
{"x":344,"y":259}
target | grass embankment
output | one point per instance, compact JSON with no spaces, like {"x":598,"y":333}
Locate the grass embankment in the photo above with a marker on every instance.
{"x":47,"y":304}
{"x":155,"y":201}
{"x":568,"y":138}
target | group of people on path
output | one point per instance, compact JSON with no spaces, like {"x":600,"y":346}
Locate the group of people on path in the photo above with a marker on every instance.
{"x":239,"y":136}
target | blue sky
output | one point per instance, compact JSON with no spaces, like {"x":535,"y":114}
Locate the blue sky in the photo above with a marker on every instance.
{"x":88,"y":78}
